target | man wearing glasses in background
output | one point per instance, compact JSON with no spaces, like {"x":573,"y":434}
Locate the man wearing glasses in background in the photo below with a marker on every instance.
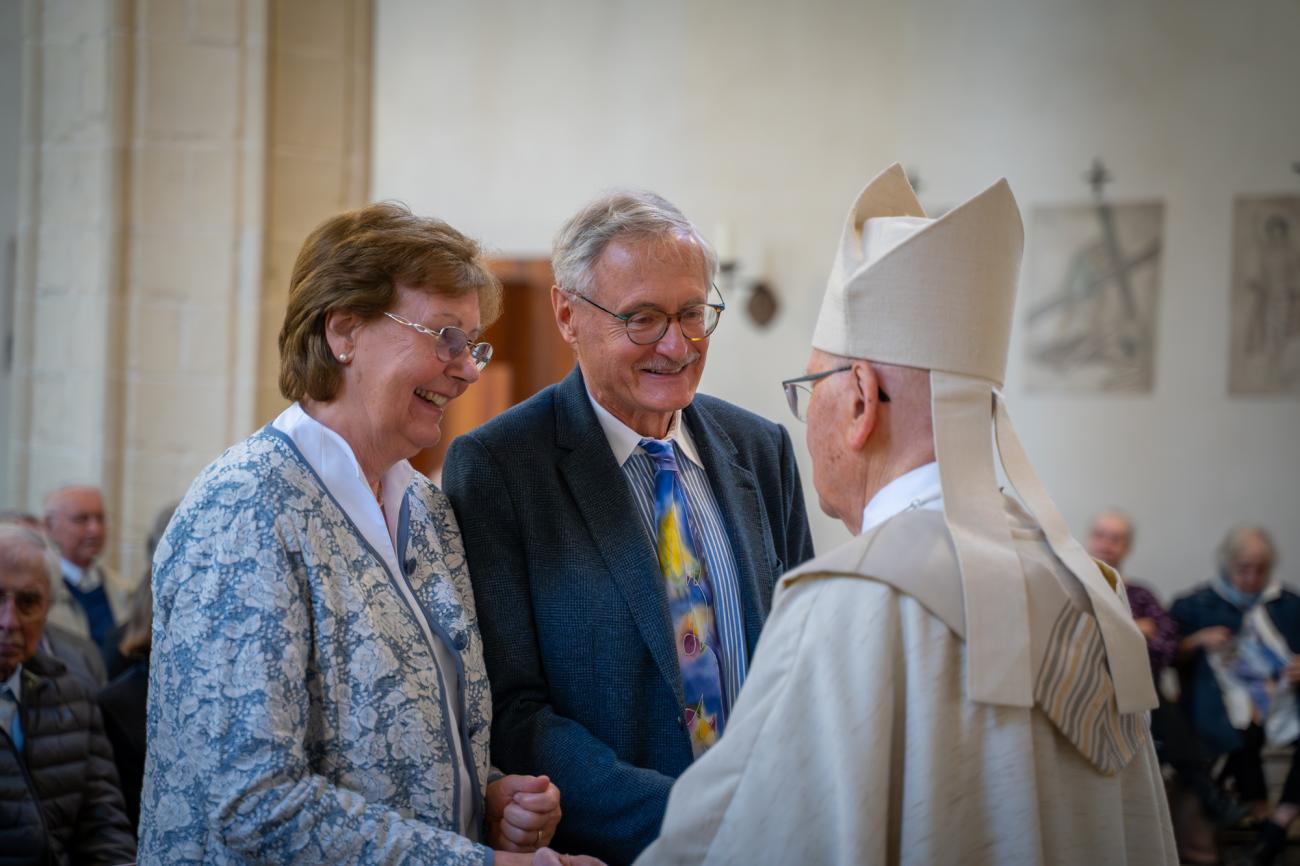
{"x":623,"y":534}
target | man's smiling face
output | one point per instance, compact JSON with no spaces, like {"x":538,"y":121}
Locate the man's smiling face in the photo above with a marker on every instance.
{"x":642,"y":386}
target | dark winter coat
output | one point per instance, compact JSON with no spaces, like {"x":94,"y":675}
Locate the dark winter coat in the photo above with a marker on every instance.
{"x":59,"y":802}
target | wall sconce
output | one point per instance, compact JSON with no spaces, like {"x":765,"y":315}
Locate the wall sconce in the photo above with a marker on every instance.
{"x":752,"y":293}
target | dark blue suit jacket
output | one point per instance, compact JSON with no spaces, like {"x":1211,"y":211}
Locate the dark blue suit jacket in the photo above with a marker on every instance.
{"x":575,"y":622}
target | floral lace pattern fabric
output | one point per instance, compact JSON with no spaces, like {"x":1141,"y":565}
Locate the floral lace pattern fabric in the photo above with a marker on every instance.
{"x":296,"y":711}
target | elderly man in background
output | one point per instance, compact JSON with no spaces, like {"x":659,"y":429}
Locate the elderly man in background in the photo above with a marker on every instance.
{"x":90,"y":597}
{"x":1241,"y":636}
{"x":59,"y":797}
{"x":82,"y":657}
{"x":624,"y":533}
{"x":1110,"y":540}
{"x":960,"y":683}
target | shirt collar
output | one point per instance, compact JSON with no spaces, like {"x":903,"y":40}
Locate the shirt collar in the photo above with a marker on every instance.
{"x":15,"y":683}
{"x":624,"y":441}
{"x":917,"y":488}
{"x":84,"y":579}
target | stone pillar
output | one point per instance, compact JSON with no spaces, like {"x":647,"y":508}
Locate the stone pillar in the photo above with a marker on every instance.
{"x":11,"y":78}
{"x":175,"y":154}
{"x":193,"y":227}
{"x":318,"y":146}
{"x":67,"y":354}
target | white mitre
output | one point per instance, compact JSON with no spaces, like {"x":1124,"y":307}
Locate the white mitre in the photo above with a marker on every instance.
{"x":938,"y":294}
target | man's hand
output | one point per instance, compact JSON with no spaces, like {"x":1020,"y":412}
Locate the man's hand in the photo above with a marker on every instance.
{"x":1215,"y":637}
{"x":1292,"y":671}
{"x":1148,"y":627}
{"x":544,"y":857}
{"x":522,"y":812}
{"x":547,"y":857}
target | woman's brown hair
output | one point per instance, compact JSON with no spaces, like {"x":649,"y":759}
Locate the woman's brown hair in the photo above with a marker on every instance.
{"x":354,"y":262}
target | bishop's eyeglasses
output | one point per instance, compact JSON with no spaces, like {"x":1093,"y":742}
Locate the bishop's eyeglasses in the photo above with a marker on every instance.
{"x":798,"y":391}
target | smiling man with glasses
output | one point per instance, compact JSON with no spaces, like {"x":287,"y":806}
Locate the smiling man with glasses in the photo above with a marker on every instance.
{"x":624,"y":533}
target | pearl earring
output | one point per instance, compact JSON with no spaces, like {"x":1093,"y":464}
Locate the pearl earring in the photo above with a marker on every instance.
{"x":343,"y":357}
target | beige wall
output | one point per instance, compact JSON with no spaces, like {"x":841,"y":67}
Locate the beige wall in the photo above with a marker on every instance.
{"x":174,"y":152}
{"x":318,"y":147}
{"x":502,"y":116}
{"x":1191,"y":103}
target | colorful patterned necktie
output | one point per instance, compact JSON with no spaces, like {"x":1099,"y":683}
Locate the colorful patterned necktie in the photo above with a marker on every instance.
{"x":690,"y":602}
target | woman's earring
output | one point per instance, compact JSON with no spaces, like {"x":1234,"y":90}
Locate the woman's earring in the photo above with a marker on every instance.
{"x":343,"y":357}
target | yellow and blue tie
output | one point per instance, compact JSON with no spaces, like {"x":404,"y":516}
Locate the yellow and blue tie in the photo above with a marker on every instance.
{"x":690,"y":602}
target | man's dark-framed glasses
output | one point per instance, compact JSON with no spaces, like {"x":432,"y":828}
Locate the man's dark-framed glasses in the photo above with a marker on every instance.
{"x":649,"y":325}
{"x":450,"y":342}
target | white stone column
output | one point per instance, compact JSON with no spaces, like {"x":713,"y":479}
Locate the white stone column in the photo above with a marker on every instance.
{"x":194,"y":243}
{"x":318,"y":145}
{"x":11,"y":78}
{"x":175,"y":154}
{"x":68,"y":286}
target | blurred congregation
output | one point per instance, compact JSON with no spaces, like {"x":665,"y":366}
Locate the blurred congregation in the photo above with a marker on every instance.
{"x":479,"y":434}
{"x":87,"y":631}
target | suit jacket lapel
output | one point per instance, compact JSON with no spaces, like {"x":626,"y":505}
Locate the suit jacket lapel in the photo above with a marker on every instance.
{"x":736,"y":491}
{"x":596,"y":483}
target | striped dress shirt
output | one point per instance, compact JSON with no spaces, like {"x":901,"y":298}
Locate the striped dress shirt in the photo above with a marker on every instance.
{"x":719,"y":562}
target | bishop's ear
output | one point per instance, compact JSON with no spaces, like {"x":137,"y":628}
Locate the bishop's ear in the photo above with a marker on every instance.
{"x":867,"y":397}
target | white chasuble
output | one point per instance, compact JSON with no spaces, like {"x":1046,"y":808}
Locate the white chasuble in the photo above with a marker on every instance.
{"x":853,"y":741}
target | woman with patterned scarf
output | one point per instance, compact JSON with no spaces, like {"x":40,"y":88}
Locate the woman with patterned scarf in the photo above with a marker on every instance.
{"x":1238,"y":656}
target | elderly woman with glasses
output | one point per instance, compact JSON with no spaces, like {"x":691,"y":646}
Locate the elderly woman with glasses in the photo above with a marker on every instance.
{"x":317,"y":691}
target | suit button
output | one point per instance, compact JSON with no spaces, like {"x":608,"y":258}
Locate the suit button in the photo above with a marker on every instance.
{"x":410,"y":566}
{"x":681,"y":721}
{"x":460,"y":643}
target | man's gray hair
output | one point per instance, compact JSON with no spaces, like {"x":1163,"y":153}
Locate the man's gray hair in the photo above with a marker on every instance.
{"x":51,"y":502}
{"x":622,"y":213}
{"x":21,"y":549}
{"x":1123,"y":515}
{"x":1232,"y":542}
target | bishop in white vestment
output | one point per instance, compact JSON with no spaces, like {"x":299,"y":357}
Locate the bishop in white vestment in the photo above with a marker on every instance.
{"x":960,"y":683}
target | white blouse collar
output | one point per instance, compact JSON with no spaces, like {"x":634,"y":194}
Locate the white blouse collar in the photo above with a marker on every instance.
{"x":332,"y":458}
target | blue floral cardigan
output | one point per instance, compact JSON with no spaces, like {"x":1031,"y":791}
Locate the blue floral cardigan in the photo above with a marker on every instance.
{"x":296,"y":713}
